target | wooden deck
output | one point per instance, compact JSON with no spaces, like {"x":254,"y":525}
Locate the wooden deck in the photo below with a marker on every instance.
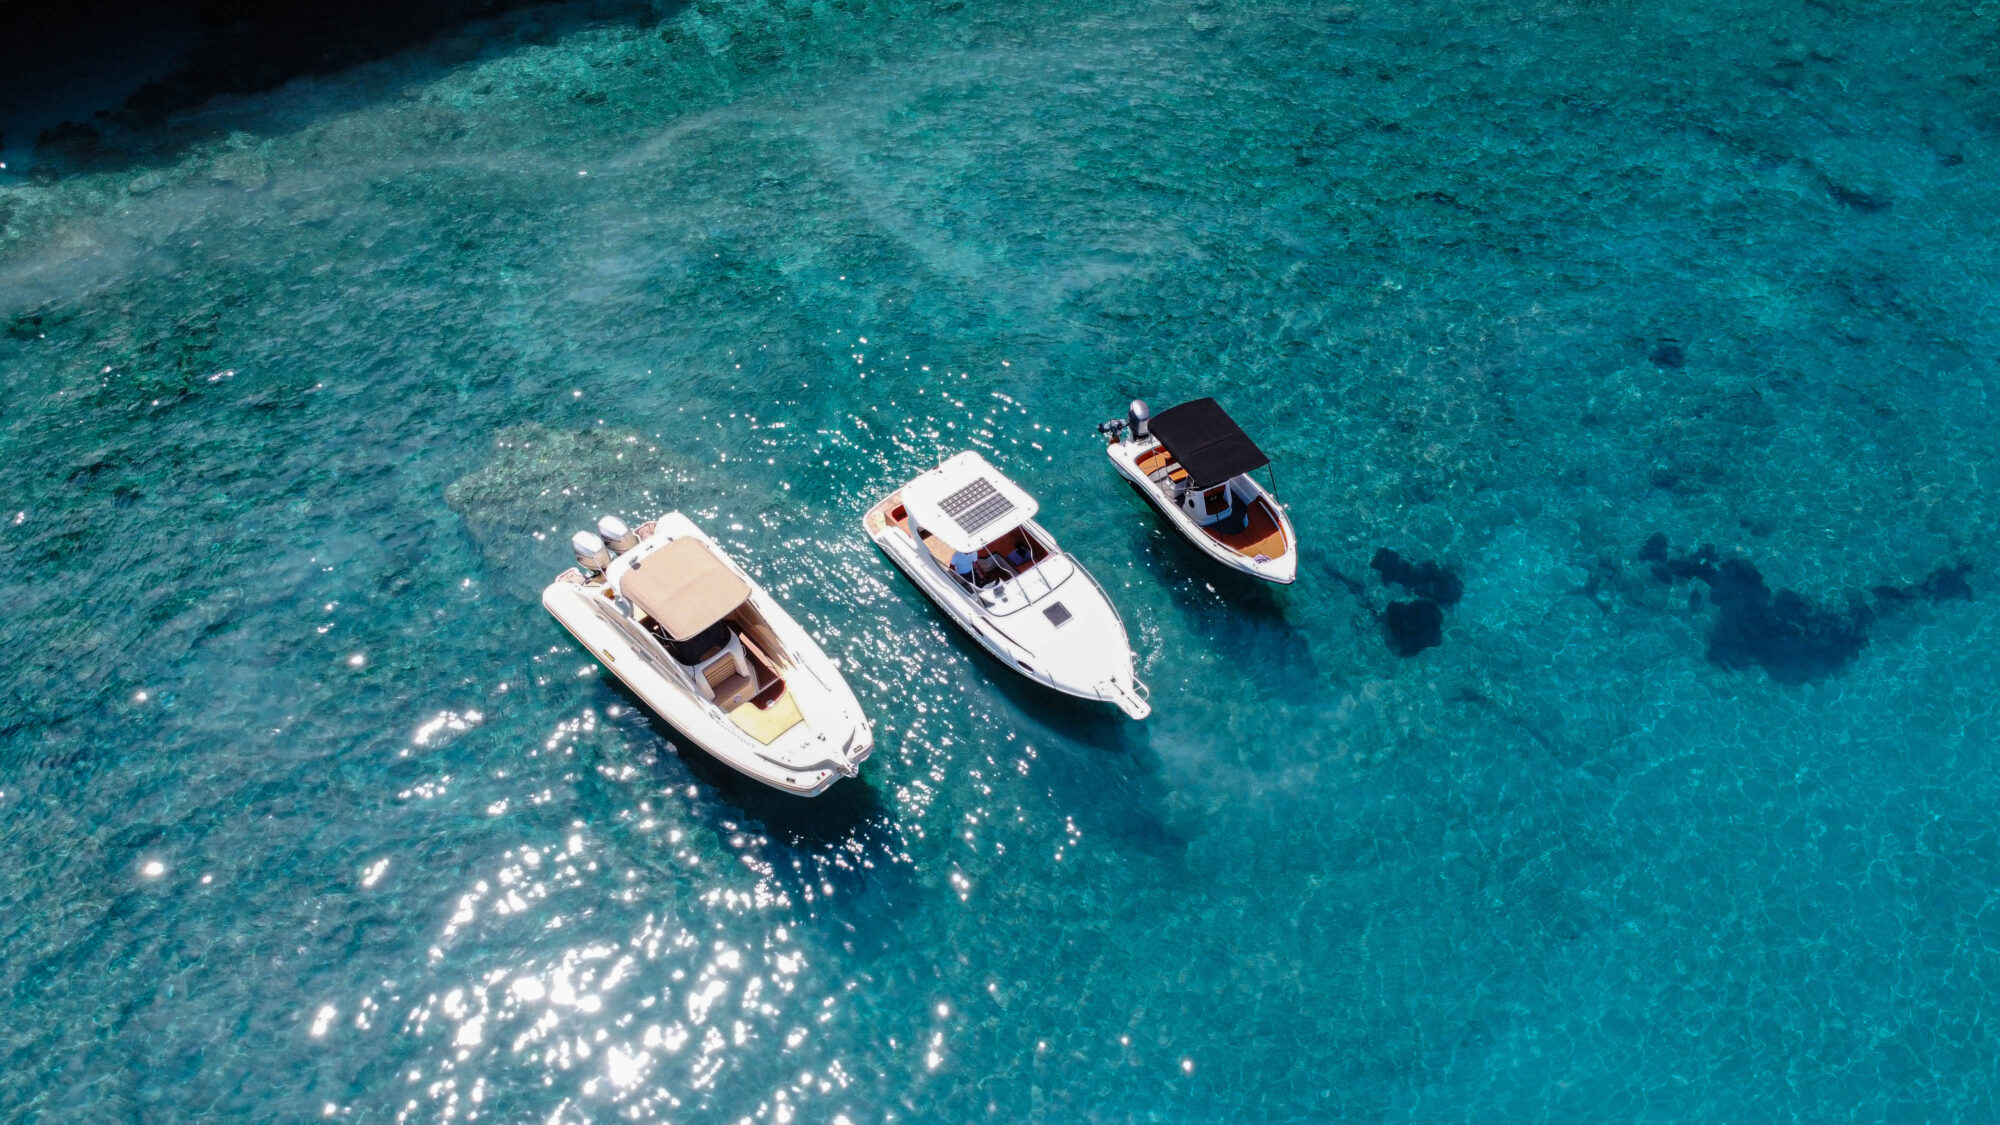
{"x":1261,"y":536}
{"x":878,"y":516}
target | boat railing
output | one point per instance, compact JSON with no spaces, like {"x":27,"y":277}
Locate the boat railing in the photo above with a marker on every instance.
{"x":1017,"y":574}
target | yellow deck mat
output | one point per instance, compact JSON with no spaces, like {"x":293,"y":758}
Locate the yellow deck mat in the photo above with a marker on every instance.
{"x":768,"y":723}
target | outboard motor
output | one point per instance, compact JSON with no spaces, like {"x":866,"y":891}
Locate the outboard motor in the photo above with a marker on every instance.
{"x":615,"y":534}
{"x":1139,"y":418}
{"x":590,"y":552}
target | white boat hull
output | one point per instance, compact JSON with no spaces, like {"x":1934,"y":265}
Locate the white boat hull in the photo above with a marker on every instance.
{"x":1086,"y":655}
{"x":1281,"y":567}
{"x":829,"y":739}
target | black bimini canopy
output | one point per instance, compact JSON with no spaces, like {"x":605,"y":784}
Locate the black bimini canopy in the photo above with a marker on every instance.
{"x":1207,"y":442}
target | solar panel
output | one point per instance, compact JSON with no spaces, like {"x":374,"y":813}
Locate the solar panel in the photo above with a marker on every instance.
{"x":976,"y":505}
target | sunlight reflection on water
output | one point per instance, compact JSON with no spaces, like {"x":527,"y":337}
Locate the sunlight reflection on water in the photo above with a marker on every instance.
{"x":309,"y":804}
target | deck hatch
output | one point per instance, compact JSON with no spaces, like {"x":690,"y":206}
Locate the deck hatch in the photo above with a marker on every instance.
{"x":976,"y":505}
{"x":1058,"y":615}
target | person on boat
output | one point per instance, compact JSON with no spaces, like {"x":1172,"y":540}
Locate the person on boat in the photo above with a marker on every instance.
{"x":962,"y":563}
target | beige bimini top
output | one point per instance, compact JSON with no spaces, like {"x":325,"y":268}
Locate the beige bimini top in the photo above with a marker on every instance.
{"x":684,"y":587}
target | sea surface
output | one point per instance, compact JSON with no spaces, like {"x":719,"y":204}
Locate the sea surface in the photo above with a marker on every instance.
{"x":1653,"y":344}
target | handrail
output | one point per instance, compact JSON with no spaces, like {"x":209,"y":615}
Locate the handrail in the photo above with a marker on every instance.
{"x":1034,"y":564}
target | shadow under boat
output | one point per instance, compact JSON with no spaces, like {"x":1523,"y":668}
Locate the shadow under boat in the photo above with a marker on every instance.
{"x":845,"y":839}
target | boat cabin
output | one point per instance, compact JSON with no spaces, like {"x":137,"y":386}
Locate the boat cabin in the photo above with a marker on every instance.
{"x":1201,"y":451}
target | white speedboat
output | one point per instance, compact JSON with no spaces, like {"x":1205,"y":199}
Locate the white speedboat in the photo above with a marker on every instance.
{"x":1194,"y":463}
{"x":709,"y":651}
{"x":967,"y":536}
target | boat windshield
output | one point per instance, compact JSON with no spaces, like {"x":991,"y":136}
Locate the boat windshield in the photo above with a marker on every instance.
{"x":1015,"y":571}
{"x":699,"y":647}
{"x":1007,"y":557}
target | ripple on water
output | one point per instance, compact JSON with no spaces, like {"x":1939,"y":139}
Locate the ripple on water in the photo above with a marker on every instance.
{"x":299,"y":781}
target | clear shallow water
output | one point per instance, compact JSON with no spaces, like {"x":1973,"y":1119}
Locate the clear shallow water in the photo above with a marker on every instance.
{"x":309,"y":805}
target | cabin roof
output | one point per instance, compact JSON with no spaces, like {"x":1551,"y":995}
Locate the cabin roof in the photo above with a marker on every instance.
{"x":684,"y":586}
{"x":1207,"y":442}
{"x":967,"y":503}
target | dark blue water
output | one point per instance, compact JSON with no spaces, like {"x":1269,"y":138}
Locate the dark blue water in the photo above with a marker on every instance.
{"x":309,"y":809}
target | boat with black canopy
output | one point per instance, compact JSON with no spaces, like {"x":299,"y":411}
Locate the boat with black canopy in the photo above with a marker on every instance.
{"x":1194,"y":463}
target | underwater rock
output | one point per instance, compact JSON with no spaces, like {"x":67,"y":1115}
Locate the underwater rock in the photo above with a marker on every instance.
{"x":1946,"y":583}
{"x":1668,"y":353}
{"x":1412,"y":627}
{"x":1426,"y":580}
{"x":241,"y":48}
{"x":1859,"y":199}
{"x":547,"y":482}
{"x":1781,"y":631}
{"x":246,"y":170}
{"x":1793,"y":640}
{"x":1699,"y":564}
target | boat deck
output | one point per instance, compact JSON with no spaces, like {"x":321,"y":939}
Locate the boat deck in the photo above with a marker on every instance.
{"x":1261,"y":534}
{"x":878,"y":516}
{"x":773,"y":718}
{"x":1157,"y":458}
{"x":767,"y":708}
{"x":890,"y":513}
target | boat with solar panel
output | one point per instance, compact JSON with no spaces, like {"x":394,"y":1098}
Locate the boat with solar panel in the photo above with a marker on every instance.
{"x":692,"y":635}
{"x":966,"y":535}
{"x":1195,"y":464}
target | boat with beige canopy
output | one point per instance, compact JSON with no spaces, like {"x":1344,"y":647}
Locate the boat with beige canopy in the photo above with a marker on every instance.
{"x":710,"y":653}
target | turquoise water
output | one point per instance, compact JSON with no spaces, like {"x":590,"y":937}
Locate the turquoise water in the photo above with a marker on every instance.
{"x":309,"y":809}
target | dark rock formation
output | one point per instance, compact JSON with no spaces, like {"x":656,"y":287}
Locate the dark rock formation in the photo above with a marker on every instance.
{"x":1946,"y":583}
{"x":1669,"y":568}
{"x":1781,"y":631}
{"x":1412,"y":627}
{"x":1793,"y":640}
{"x":1425,"y":580}
{"x":115,"y":63}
